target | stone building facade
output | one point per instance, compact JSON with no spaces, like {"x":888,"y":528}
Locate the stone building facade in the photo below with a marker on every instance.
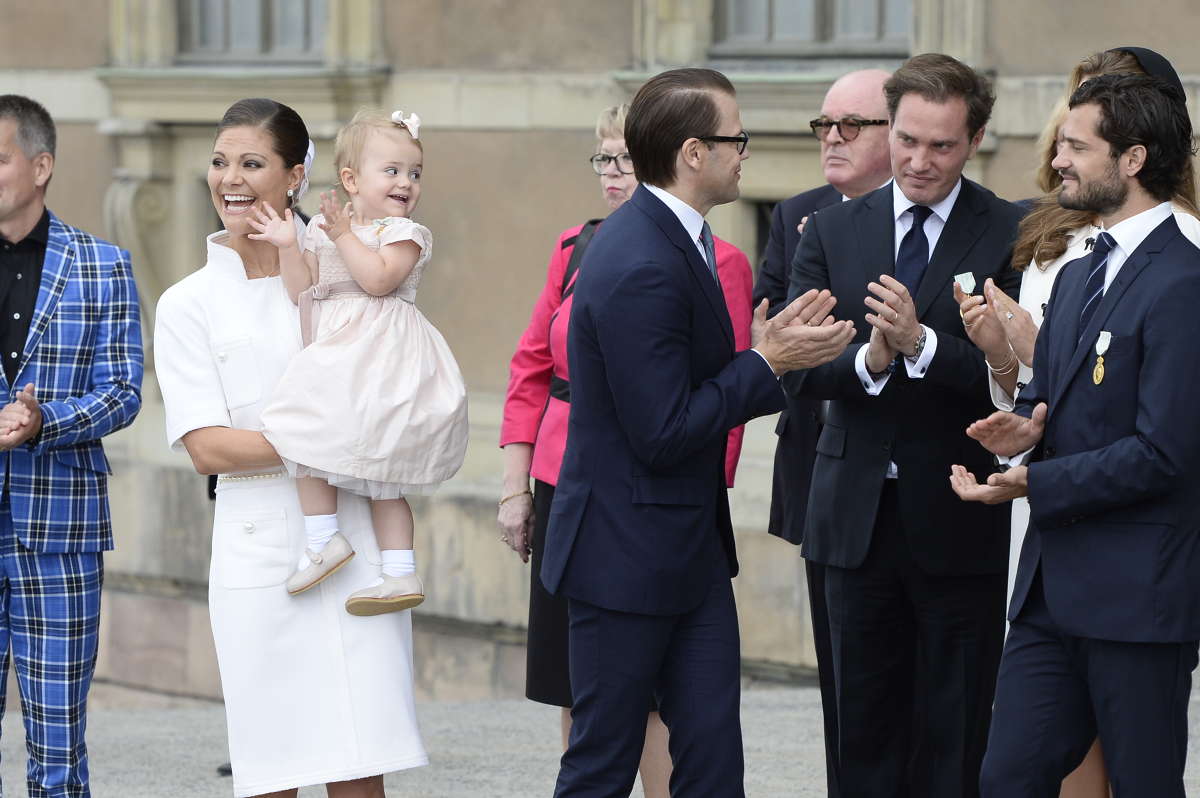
{"x":508,"y":91}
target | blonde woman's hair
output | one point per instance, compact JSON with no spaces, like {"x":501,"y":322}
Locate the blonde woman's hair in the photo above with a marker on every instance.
{"x":351,"y":139}
{"x":611,"y":124}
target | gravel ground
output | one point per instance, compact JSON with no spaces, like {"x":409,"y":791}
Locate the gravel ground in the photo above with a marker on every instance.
{"x":148,"y":746}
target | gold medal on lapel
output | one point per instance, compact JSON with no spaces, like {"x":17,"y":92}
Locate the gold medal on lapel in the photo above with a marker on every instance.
{"x":1101,"y":347}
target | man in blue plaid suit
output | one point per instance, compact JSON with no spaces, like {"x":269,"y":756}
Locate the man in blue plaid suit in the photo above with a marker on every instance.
{"x":72,"y":371}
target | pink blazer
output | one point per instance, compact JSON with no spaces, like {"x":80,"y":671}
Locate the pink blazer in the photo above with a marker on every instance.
{"x":531,"y":415}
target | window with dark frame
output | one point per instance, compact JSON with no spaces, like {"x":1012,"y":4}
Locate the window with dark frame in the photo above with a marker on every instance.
{"x":806,"y":28}
{"x":251,"y":31}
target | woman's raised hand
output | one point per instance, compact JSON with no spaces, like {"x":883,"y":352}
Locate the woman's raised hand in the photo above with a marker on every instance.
{"x":271,"y":227}
{"x":981,"y":325}
{"x":337,"y":217}
{"x":1018,"y":324}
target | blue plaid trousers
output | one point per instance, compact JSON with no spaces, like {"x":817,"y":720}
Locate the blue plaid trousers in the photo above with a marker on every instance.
{"x":50,"y":624}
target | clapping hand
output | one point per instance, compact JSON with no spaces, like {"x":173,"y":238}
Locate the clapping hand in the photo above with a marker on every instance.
{"x":1008,"y":434}
{"x":802,"y":335}
{"x":982,"y":325}
{"x":337,"y":217}
{"x":20,"y":420}
{"x":1019,"y":326}
{"x":273,"y":228}
{"x":999,"y":488}
{"x":894,"y":314}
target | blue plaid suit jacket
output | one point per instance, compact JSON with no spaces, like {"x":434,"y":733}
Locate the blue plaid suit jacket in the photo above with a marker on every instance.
{"x":84,"y":354}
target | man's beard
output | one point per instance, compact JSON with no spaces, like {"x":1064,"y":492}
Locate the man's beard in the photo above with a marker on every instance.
{"x":1101,"y":197}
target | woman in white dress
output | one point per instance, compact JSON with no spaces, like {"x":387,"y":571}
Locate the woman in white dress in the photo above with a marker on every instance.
{"x":313,"y":695}
{"x":1050,"y":237}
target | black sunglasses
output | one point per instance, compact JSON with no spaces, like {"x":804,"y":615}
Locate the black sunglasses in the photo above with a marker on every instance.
{"x":742,"y":140}
{"x":848,"y":128}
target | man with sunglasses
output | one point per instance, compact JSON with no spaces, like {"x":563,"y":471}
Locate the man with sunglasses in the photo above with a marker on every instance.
{"x":853,"y":131}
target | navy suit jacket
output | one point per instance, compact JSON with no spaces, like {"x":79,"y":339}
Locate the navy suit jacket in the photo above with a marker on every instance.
{"x":640,"y":519}
{"x":917,"y":423}
{"x":1114,"y":520}
{"x":799,"y":423}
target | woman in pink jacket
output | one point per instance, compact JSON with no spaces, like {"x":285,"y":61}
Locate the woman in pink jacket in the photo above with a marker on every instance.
{"x":534,"y":435}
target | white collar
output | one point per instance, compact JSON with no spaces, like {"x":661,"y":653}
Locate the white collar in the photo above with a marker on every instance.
{"x":1130,"y":233}
{"x":941,"y":210}
{"x":224,"y":259}
{"x":688,"y":216}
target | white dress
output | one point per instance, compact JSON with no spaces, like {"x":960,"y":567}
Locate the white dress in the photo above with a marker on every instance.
{"x":312,"y":693}
{"x":1036,"y":285}
{"x":376,"y":403}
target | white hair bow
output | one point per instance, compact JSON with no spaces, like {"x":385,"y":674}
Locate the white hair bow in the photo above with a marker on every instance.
{"x":308,"y":162}
{"x":412,"y":121}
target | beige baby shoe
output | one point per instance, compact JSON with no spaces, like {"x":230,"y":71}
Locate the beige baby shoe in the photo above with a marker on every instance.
{"x":393,"y":594}
{"x":322,"y":565}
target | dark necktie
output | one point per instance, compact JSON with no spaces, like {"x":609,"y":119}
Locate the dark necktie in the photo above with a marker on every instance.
{"x":1093,"y":290}
{"x":913,"y":255}
{"x":710,"y":251}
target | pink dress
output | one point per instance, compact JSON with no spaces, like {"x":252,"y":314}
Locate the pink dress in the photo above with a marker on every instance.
{"x":376,"y":403}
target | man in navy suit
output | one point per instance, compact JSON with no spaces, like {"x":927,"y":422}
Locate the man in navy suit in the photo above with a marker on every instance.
{"x":639,"y":537}
{"x":1106,"y":608}
{"x":914,"y":578}
{"x":853,"y":131}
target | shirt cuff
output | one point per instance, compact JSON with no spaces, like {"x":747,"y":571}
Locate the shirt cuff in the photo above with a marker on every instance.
{"x":764,"y":359}
{"x":1016,"y":460}
{"x":871,"y":383}
{"x":917,"y":368}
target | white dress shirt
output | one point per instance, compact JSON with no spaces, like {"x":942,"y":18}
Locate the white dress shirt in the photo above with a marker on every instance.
{"x":688,"y":216}
{"x":1129,"y":235}
{"x":934,"y":224}
{"x":693,"y":223}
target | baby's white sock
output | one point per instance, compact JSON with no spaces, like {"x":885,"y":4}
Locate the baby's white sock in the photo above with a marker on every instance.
{"x":398,"y":562}
{"x":318,"y":531}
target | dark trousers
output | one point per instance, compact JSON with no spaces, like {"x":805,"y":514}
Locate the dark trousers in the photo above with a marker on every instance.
{"x":619,"y":662}
{"x":914,"y":659}
{"x":815,"y":574}
{"x":1057,"y":691}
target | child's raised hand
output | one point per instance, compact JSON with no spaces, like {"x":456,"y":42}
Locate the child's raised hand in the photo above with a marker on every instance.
{"x":337,"y":218}
{"x":271,"y":227}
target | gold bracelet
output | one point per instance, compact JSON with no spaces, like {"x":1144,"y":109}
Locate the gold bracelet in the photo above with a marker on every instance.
{"x":526,"y":492}
{"x":1008,"y":366}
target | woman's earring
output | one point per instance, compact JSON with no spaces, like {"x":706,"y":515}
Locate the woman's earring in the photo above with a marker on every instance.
{"x":291,"y":193}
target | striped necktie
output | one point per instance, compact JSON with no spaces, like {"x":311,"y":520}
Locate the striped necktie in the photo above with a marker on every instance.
{"x":710,"y":250}
{"x":1093,"y":290}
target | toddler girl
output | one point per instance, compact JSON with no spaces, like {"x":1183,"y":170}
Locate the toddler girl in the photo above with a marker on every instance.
{"x":375,"y":402}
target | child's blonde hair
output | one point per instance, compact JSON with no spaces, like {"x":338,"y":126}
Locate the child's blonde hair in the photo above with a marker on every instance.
{"x":351,"y":139}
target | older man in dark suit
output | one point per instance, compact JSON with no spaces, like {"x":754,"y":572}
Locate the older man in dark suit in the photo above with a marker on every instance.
{"x":639,"y":538}
{"x":853,"y":131}
{"x":915,"y":578}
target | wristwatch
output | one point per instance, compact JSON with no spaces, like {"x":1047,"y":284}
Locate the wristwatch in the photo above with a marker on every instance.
{"x":916,"y":355}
